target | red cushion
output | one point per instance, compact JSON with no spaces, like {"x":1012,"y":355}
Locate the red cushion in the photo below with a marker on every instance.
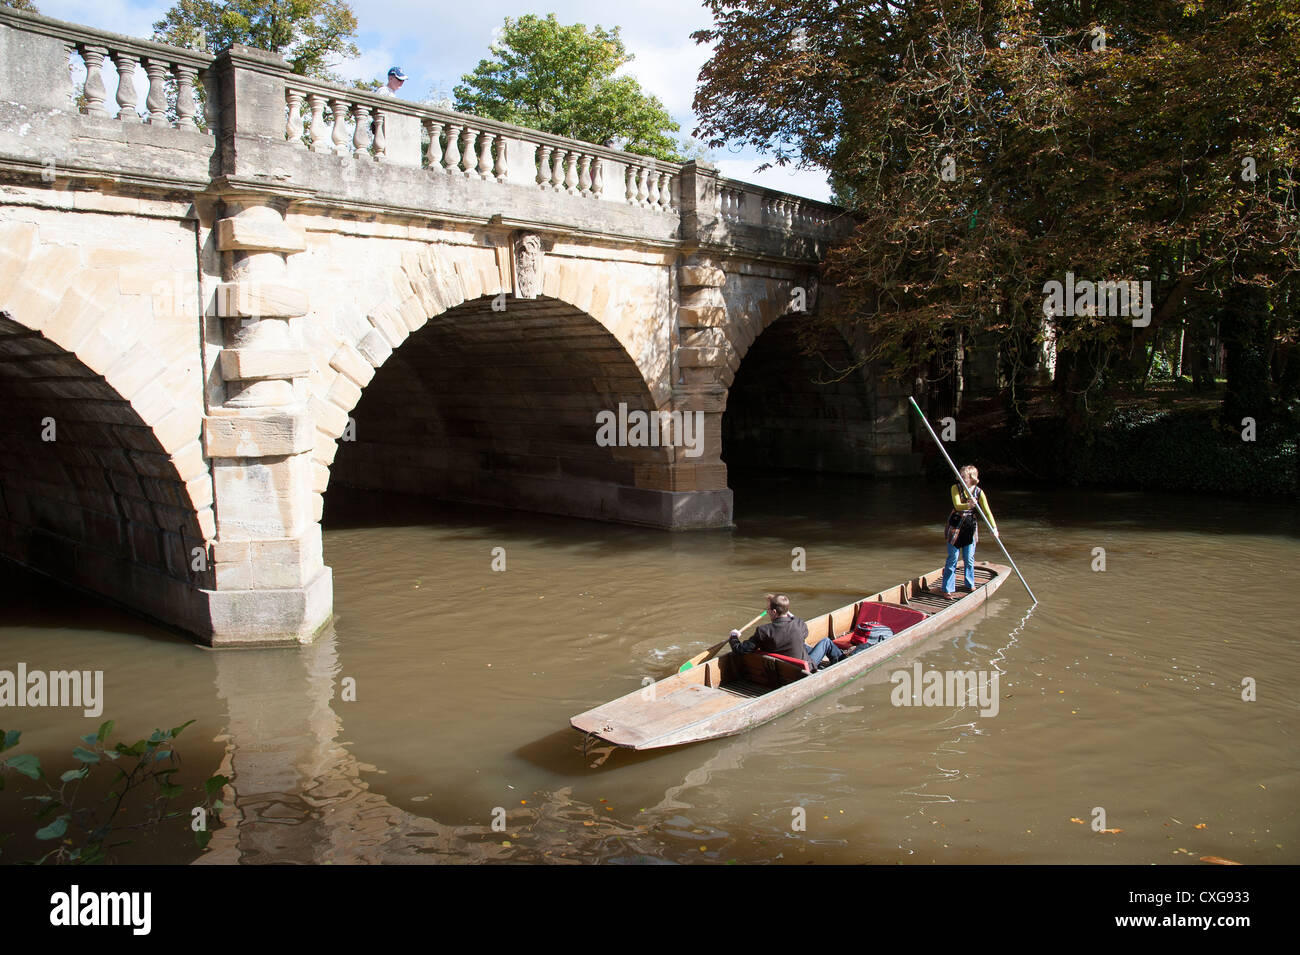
{"x":782,"y":656}
{"x":893,"y":616}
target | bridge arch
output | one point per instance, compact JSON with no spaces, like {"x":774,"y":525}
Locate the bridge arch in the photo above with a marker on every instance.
{"x":93,"y":483}
{"x":460,"y":389}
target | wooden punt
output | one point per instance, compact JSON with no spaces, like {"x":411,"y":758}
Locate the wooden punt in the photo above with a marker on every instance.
{"x":732,"y":693}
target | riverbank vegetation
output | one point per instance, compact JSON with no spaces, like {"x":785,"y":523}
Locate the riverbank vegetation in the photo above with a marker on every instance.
{"x":1069,"y":188}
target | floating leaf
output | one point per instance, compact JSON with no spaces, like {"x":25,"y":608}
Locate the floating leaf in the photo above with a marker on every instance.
{"x":25,"y":763}
{"x":1218,"y":860}
{"x":1076,"y":819}
{"x":1201,"y":825}
{"x":55,"y":829}
{"x":1112,"y":831}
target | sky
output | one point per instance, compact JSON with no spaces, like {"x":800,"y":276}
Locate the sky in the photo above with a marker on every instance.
{"x":437,"y":41}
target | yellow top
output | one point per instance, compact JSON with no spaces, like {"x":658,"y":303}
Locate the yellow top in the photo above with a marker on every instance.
{"x":959,"y":504}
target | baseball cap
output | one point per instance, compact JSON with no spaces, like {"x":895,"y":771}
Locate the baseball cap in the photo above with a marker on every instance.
{"x":397,"y":71}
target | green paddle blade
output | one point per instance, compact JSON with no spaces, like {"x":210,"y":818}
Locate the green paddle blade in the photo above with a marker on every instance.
{"x":685,"y":666}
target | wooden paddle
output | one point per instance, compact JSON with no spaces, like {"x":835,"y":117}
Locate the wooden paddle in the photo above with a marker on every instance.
{"x":705,"y":654}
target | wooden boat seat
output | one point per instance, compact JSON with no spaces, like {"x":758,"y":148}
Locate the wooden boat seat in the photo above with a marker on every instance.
{"x":893,"y":616}
{"x":769,"y":669}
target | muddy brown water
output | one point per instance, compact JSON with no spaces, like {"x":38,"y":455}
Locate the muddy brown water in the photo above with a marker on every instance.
{"x":1121,"y":691}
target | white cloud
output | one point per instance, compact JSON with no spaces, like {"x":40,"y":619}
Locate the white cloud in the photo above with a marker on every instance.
{"x":670,"y":73}
{"x":809,"y":183}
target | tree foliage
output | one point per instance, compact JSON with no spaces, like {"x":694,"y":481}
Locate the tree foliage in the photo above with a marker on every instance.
{"x":560,"y":79}
{"x":988,"y":146}
{"x":312,"y":35}
{"x":20,"y":5}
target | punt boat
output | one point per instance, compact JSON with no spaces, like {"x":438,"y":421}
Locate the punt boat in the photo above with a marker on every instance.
{"x":732,"y":693}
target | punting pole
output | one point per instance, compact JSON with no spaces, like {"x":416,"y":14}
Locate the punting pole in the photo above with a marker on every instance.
{"x":939,"y":445}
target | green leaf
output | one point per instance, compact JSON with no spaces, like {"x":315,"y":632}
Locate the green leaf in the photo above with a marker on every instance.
{"x":157,"y":736}
{"x":72,"y":774}
{"x":176,"y":730}
{"x":213,"y":784}
{"x":85,"y":755}
{"x":90,"y":739}
{"x":55,"y":829}
{"x":202,"y":838}
{"x":104,"y":729}
{"x":9,"y":739}
{"x":171,"y":792}
{"x":135,"y":749}
{"x":25,"y":763}
{"x":162,"y":754}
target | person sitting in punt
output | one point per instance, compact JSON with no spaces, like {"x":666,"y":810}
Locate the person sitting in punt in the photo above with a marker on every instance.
{"x":786,"y":635}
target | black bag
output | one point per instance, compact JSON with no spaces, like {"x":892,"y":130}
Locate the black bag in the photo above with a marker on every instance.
{"x":961,"y":525}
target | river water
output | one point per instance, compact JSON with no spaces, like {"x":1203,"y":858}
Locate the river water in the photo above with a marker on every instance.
{"x":430,"y":722}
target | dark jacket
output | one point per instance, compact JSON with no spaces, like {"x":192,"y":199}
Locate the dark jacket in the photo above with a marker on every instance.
{"x":783,"y":635}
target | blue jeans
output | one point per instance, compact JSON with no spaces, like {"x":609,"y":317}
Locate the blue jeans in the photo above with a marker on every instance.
{"x":825,"y":646}
{"x":950,"y":568}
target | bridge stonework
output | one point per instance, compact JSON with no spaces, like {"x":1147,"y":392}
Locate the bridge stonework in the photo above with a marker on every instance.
{"x":228,"y":286}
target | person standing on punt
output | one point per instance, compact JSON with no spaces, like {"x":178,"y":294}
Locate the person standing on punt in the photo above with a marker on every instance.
{"x":786,"y":635}
{"x":963,"y":531}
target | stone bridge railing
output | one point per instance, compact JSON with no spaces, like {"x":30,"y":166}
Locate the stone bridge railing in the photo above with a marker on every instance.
{"x":244,"y":117}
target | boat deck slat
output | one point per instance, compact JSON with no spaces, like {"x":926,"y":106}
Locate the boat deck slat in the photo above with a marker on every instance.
{"x":745,"y":688}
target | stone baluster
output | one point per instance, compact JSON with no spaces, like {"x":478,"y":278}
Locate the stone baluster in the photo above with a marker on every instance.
{"x":557,"y":170}
{"x":666,"y":191}
{"x":360,"y":129}
{"x":501,"y":169}
{"x":185,"y":105}
{"x":293,"y":125}
{"x":381,"y":136}
{"x":631,"y":185}
{"x":571,"y":173}
{"x":467,"y":154}
{"x":433,"y":155}
{"x":156,"y":99}
{"x":543,"y":166}
{"x":642,"y":191}
{"x":93,"y":56}
{"x":485,"y":155}
{"x":652,"y":188}
{"x":339,"y":137}
{"x":584,"y":176}
{"x":126,"y":95}
{"x":320,"y":140}
{"x":598,"y":177}
{"x":451,"y":157}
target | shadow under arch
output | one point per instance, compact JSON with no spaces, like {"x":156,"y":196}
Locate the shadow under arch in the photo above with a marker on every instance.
{"x":500,"y":407}
{"x":88,"y":495}
{"x":787,"y":409}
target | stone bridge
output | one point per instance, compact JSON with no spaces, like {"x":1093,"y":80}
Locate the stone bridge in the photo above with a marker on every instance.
{"x":223,"y":286}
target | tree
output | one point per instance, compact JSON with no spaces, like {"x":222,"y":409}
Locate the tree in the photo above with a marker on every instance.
{"x":311,"y":34}
{"x":20,"y":5}
{"x":560,"y":79}
{"x":988,"y":147}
